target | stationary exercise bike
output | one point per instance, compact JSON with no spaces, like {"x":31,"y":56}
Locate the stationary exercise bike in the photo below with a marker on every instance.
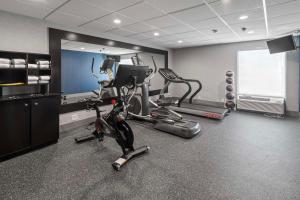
{"x":113,"y":124}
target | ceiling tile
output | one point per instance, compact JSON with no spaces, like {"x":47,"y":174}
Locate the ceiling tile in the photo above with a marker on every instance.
{"x":139,"y":27}
{"x":141,"y":12}
{"x":221,"y":30}
{"x":120,"y":31}
{"x":161,"y":22}
{"x":253,"y":15}
{"x":109,"y":20}
{"x":98,"y":27}
{"x":66,"y":19}
{"x":173,"y":5}
{"x":42,"y":3}
{"x":233,"y":6}
{"x":113,"y":5}
{"x":178,"y":29}
{"x":274,"y":2}
{"x":18,"y":7}
{"x":285,"y":19}
{"x":150,"y":34}
{"x":284,"y":9}
{"x":194,"y":14}
{"x":139,"y":36}
{"x":212,"y":23}
{"x":191,"y":34}
{"x":289,"y":28}
{"x":83,"y":9}
{"x":256,"y":26}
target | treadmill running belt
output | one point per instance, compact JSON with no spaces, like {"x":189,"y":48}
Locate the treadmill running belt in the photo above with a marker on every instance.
{"x":204,"y":108}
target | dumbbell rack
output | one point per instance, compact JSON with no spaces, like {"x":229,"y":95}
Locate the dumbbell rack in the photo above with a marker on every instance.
{"x":229,"y":91}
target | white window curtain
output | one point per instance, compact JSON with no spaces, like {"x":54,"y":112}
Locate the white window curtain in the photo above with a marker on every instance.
{"x":261,"y":73}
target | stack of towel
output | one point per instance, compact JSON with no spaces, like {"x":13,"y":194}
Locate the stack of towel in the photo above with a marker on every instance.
{"x":4,"y":63}
{"x":43,"y":64}
{"x":33,"y":80}
{"x":18,"y":63}
{"x":44,"y":79}
{"x":32,"y":66}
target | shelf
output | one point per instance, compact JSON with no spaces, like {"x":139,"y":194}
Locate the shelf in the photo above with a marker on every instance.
{"x":13,"y":69}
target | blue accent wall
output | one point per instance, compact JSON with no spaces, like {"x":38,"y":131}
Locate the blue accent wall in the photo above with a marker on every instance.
{"x":76,"y":74}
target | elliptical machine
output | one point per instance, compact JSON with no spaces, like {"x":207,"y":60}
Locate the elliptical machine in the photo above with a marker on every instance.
{"x":113,"y":124}
{"x":163,"y":118}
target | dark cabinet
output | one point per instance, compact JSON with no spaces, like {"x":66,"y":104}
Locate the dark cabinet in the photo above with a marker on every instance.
{"x":44,"y":121}
{"x":27,"y":124}
{"x":14,"y":126}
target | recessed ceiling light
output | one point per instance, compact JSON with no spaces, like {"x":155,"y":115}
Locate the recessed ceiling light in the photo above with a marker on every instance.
{"x":250,"y":32}
{"x":156,"y":33}
{"x":180,"y":41}
{"x":117,"y":21}
{"x":243,"y":17}
{"x":82,"y":48}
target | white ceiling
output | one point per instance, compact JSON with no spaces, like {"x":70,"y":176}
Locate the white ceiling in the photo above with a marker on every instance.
{"x":191,"y":21}
{"x":95,"y":48}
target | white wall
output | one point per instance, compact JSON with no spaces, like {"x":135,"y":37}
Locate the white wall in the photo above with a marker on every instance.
{"x":209,"y":64}
{"x":26,"y":34}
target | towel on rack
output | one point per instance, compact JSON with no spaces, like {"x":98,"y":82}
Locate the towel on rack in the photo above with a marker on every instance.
{"x":44,"y":66}
{"x":18,"y":61}
{"x":43,"y":82}
{"x":2,"y":65}
{"x":32,"y":82}
{"x":44,"y":78}
{"x":19,"y":66}
{"x":32,"y":66}
{"x":4,"y":61}
{"x":43,"y":62}
{"x":33,"y":78}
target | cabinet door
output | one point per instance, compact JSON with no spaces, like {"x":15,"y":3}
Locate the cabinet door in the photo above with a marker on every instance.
{"x":14,"y":126}
{"x":44,"y":121}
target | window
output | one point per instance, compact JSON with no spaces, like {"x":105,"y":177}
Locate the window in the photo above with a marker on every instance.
{"x":261,"y":73}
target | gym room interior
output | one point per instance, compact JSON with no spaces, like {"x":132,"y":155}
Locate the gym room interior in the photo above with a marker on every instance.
{"x":149,"y":99}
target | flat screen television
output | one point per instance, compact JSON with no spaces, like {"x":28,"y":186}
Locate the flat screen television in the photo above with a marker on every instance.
{"x":282,"y":44}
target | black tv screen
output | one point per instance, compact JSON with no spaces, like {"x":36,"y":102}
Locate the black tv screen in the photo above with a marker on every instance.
{"x":282,"y":44}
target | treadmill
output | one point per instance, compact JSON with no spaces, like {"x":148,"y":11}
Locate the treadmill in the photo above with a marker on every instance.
{"x":190,"y":107}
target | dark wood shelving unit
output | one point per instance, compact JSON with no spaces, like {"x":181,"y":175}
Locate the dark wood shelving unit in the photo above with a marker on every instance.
{"x":31,"y":107}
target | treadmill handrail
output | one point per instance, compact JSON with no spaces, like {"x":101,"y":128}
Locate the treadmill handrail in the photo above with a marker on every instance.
{"x":197,"y":91}
{"x":177,"y":80}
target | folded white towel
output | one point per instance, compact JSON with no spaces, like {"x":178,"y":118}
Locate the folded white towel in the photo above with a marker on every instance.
{"x":43,"y":62}
{"x":18,"y":61}
{"x":2,"y":65}
{"x":32,"y":82}
{"x":4,"y":61}
{"x":19,"y":66}
{"x":32,"y":66}
{"x":44,"y":66}
{"x":43,"y":82}
{"x":44,"y":78}
{"x":33,"y":78}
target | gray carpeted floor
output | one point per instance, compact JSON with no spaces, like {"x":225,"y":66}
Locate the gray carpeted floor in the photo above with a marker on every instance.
{"x":247,"y":156}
